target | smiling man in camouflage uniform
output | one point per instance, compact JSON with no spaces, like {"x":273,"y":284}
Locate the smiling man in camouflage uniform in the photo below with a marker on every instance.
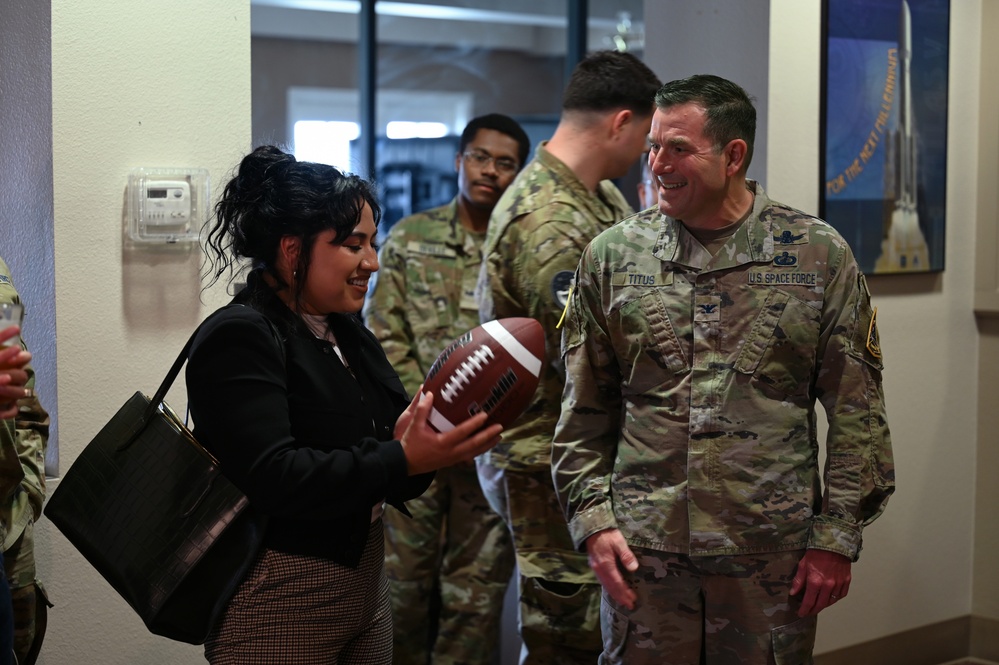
{"x":22,"y":483}
{"x":561,"y":200}
{"x":697,"y":341}
{"x":449,"y":566}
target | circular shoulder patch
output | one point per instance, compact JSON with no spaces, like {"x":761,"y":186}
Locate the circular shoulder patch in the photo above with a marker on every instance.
{"x":560,"y":287}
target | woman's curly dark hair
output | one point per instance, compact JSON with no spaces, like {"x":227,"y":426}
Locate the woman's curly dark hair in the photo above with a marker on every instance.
{"x":273,"y":195}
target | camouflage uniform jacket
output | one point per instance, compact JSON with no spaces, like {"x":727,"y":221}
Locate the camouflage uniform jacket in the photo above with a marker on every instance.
{"x":22,"y":451}
{"x":425,"y":294}
{"x":536,"y":235}
{"x":689,"y":418}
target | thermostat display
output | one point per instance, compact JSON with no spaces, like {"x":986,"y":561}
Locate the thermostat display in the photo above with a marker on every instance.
{"x":167,"y":202}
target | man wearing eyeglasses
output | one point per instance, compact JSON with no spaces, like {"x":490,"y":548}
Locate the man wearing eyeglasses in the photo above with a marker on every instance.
{"x":448,"y":566}
{"x":537,"y":233}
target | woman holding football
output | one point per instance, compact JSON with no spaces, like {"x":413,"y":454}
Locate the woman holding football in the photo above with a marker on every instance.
{"x":298,"y":402}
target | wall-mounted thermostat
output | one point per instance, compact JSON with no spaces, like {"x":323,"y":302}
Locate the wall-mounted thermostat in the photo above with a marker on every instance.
{"x":167,"y":205}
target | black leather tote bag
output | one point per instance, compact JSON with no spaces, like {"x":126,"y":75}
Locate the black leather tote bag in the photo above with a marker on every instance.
{"x":151,"y":510}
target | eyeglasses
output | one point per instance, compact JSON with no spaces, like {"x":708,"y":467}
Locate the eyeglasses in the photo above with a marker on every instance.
{"x":504,"y":165}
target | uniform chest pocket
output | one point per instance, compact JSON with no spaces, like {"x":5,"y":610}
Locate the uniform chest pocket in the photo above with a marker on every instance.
{"x":649,"y":349}
{"x":779,"y":352}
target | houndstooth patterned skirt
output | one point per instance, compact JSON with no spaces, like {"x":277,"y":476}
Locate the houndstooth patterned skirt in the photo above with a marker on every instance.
{"x":302,"y":610}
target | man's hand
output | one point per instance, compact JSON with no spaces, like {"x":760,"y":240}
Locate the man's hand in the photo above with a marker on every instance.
{"x":824,"y":577}
{"x":607,"y":550}
{"x":12,"y":374}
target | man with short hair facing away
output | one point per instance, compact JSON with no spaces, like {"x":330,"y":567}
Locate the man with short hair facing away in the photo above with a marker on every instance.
{"x":698,"y":340}
{"x":448,"y":566}
{"x":561,"y":200}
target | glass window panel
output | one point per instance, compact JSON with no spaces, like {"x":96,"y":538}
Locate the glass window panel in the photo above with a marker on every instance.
{"x":501,"y":57}
{"x":439,"y":61}
{"x":303,"y":67}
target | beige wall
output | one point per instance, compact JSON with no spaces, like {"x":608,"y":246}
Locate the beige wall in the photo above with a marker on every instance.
{"x":916,"y":565}
{"x":727,"y":38}
{"x":130,"y":87}
{"x":985,"y":596}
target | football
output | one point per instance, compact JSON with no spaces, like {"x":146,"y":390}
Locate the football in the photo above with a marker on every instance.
{"x":493,"y":368}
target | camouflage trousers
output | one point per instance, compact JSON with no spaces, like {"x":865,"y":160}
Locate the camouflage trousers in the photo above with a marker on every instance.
{"x":559,"y":610}
{"x":27,"y":597}
{"x":724,"y":610}
{"x":448,"y":569}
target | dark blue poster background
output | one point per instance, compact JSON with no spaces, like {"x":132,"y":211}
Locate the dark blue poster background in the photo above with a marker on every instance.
{"x":885,"y":130}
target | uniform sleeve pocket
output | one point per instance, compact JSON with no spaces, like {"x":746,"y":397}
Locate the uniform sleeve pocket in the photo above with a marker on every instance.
{"x":865,"y":343}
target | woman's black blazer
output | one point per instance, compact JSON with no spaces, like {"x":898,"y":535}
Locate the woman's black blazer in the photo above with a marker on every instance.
{"x":306,"y":440}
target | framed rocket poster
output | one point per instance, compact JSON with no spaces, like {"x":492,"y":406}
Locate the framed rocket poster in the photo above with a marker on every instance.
{"x":884,"y":130}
